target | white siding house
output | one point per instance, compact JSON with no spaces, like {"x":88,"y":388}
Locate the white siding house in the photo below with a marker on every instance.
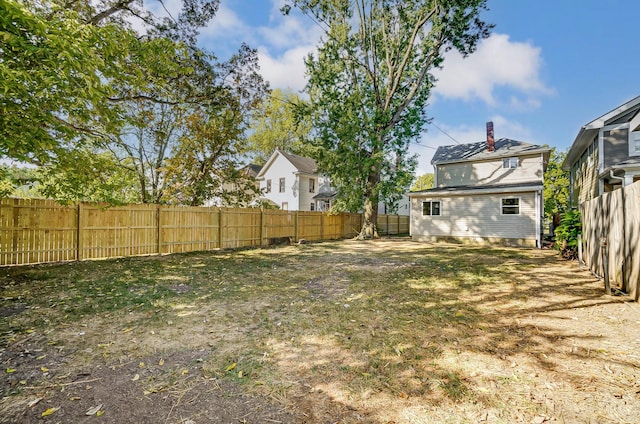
{"x":487,"y":192}
{"x":292,"y":183}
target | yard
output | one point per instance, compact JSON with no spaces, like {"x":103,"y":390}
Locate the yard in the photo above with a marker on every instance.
{"x":379,"y":332}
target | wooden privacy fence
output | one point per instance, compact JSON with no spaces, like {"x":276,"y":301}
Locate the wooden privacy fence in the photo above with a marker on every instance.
{"x":611,"y":237}
{"x":37,"y":231}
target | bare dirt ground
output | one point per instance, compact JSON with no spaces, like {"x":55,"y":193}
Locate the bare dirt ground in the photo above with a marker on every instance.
{"x":353,"y":332}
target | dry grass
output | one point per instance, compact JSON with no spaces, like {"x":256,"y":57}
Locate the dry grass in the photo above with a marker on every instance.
{"x":378,"y":332}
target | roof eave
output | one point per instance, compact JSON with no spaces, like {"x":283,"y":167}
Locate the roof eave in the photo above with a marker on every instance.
{"x":473,"y":191}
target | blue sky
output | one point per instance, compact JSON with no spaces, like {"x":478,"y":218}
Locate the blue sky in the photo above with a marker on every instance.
{"x":548,"y":68}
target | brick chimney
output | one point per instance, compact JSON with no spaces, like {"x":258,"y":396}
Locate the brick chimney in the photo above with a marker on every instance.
{"x":491,"y":145}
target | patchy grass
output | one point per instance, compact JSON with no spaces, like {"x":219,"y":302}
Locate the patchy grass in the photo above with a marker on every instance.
{"x":385,"y":331}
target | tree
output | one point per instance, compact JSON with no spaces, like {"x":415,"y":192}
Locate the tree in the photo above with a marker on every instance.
{"x":52,"y":78}
{"x":79,"y":81}
{"x":369,"y":85}
{"x":423,"y":182}
{"x":556,"y":186}
{"x":276,"y":126}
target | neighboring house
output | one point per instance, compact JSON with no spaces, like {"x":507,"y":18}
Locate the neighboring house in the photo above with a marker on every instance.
{"x":606,"y":153}
{"x":486,"y":192}
{"x":292,"y":182}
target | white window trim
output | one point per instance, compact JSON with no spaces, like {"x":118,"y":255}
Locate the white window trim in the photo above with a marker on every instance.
{"x":502,"y":206}
{"x":431,"y":207}
{"x":510,"y":159}
{"x":632,"y":149}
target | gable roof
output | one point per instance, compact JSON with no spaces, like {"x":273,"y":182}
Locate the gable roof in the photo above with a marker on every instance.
{"x":623,"y":113}
{"x":302,"y":164}
{"x":504,"y":147}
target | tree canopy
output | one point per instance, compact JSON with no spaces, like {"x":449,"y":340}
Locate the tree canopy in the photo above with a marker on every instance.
{"x":276,"y":125}
{"x":423,"y":182}
{"x":80,"y":82}
{"x":556,"y":185}
{"x":369,"y":84}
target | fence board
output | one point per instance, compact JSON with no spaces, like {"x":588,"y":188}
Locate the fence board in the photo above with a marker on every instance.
{"x":614,"y":218}
{"x":38,"y":231}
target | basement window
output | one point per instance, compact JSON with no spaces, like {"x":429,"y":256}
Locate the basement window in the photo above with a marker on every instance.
{"x":510,"y":163}
{"x":511,"y":206}
{"x":431,"y":208}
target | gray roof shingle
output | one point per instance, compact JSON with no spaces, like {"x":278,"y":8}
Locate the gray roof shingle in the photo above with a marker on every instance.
{"x":302,"y":164}
{"x":478,"y":151}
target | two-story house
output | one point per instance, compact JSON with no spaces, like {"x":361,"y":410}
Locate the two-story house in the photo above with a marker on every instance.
{"x":486,"y":192}
{"x":606,"y":153}
{"x":292,"y":183}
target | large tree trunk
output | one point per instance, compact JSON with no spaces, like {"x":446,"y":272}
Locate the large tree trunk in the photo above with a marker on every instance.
{"x":369,"y":228}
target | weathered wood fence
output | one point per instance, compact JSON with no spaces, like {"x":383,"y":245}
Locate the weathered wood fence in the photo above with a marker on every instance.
{"x":611,"y":237}
{"x":37,"y":231}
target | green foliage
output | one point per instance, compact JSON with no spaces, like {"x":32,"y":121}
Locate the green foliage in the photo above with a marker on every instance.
{"x":567,"y":233}
{"x":423,"y":182}
{"x":277,"y":126}
{"x":556,"y":185}
{"x":103,"y":108}
{"x":85,"y":175}
{"x":53,"y":78}
{"x":18,"y":181}
{"x":369,"y":85}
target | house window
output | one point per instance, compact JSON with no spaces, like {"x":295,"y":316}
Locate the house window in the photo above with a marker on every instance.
{"x":634,"y":142}
{"x":511,"y":206}
{"x":312,"y":185}
{"x":281,"y":185}
{"x":510,"y":163}
{"x":312,"y":206}
{"x":285,"y":206}
{"x":268,"y":186}
{"x":430,"y":208}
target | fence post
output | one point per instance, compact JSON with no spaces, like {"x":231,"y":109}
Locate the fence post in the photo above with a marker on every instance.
{"x":296,"y":227}
{"x":580,"y":251}
{"x":605,"y":265}
{"x":220,"y":232}
{"x":321,"y":225}
{"x":262,"y":228}
{"x":159,"y":229}
{"x":79,"y":233}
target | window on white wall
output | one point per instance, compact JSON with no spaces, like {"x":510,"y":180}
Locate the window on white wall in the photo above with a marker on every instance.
{"x":634,"y":142}
{"x":285,"y":206}
{"x":281,"y":185}
{"x":312,"y":207}
{"x":511,"y":206}
{"x":268,"y":186}
{"x":510,"y":163}
{"x":312,"y":185}
{"x":431,"y":208}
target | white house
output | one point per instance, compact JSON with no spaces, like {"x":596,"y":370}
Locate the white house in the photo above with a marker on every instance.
{"x":486,"y":192}
{"x":293,"y":183}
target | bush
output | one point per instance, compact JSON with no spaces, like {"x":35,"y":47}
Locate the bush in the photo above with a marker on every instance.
{"x":567,"y":234}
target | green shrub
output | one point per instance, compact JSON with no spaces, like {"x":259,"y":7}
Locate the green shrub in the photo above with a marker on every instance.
{"x":567,"y":234}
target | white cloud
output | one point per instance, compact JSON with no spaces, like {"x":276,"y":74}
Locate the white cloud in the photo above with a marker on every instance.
{"x":286,"y":70}
{"x":497,"y":63}
{"x":226,"y":24}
